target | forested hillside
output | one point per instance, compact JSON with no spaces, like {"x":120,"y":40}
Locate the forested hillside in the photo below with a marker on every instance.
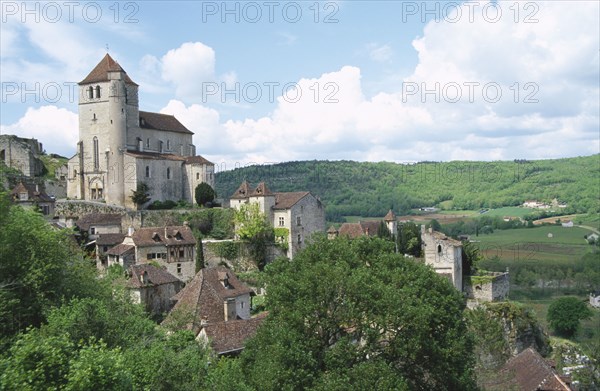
{"x":370,"y":189}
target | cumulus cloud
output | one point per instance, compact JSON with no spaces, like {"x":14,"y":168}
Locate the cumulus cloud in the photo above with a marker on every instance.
{"x":188,"y":66}
{"x":56,"y":128}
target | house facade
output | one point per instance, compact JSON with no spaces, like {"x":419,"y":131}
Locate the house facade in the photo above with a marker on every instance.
{"x":152,"y":287}
{"x":32,"y":196}
{"x":120,"y":146}
{"x":296,"y":215}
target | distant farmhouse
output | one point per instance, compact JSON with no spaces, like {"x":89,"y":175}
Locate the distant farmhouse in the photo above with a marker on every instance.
{"x":21,"y":154}
{"x":300,"y":213}
{"x":120,"y":146}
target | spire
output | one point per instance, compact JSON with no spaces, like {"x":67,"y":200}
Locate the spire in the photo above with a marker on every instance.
{"x":390,"y":216}
{"x":100,"y":71}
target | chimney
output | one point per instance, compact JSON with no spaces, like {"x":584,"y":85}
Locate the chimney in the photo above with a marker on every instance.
{"x":130,"y":231}
{"x":229,"y":309}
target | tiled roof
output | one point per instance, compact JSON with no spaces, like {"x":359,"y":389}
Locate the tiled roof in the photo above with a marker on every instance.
{"x":32,"y":193}
{"x":440,"y":236}
{"x":100,"y":72}
{"x":230,"y":337}
{"x":287,"y":200}
{"x":530,"y":372}
{"x":205,"y":294}
{"x":261,"y":190}
{"x":362,"y":228}
{"x":242,"y":192}
{"x":152,"y":275}
{"x":88,"y":220}
{"x":160,"y":121}
{"x":390,"y":216}
{"x":155,"y":156}
{"x":166,"y":236}
{"x":120,"y":249}
{"x":109,"y":239}
{"x":197,"y":159}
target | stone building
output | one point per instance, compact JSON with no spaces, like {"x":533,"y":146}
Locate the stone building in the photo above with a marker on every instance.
{"x":120,"y":146}
{"x":298,"y":214}
{"x":444,"y":254}
{"x":22,"y":154}
{"x":173,"y":247}
{"x":365,"y":228}
{"x":95,"y":224}
{"x":217,"y":305}
{"x":152,"y":287}
{"x":32,"y":196}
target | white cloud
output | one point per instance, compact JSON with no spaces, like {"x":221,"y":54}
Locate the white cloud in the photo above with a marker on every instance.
{"x":57,"y":129}
{"x":188,"y":67}
{"x":379,"y":53}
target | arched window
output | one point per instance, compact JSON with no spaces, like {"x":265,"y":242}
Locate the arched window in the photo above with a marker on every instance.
{"x":168,"y":145}
{"x":91,"y":92}
{"x":439,"y":249}
{"x":97,"y":91}
{"x":168,"y":173}
{"x":96,"y":154}
{"x":160,"y":146}
{"x":148,"y":142}
{"x":147,"y":171}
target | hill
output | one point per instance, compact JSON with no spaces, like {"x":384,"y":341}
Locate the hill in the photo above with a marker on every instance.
{"x":369,"y":189}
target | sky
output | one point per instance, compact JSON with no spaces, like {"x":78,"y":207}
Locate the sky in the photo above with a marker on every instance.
{"x":269,"y":81}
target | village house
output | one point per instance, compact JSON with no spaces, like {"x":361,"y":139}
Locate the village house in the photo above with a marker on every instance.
{"x":103,"y":243}
{"x":218,"y":304}
{"x":530,"y":371}
{"x":297,"y":214}
{"x":95,"y":224}
{"x":152,"y":287}
{"x":21,"y":154}
{"x":365,"y":228}
{"x":32,"y":196}
{"x":172,"y":247}
{"x":120,"y":146}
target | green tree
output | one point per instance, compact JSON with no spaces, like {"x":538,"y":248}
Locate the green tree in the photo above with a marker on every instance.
{"x":471,"y":257}
{"x":565,"y":313}
{"x":340,"y":314}
{"x":141,"y":194}
{"x":409,"y":239}
{"x":251,"y":225}
{"x":204,"y":194}
{"x":435,"y":225}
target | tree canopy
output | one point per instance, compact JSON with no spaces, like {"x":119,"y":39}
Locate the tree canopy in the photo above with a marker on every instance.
{"x":204,"y":194}
{"x":345,"y":313}
{"x":565,"y":313}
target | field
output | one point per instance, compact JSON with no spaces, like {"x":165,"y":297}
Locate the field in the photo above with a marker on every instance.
{"x":547,"y":243}
{"x":512,"y":211}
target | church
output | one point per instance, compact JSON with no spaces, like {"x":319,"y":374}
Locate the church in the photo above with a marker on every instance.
{"x":120,"y":146}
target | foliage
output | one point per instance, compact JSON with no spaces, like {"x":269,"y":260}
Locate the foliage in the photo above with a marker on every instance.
{"x":252,"y":225}
{"x":229,"y":250}
{"x":467,"y":185}
{"x":141,"y":194}
{"x":199,"y":256}
{"x":491,"y":347}
{"x":409,"y":239}
{"x":565,"y":313}
{"x":204,"y":194}
{"x":162,"y":205}
{"x":470,"y":258}
{"x":383,"y":232}
{"x":435,"y":225}
{"x":351,"y":311}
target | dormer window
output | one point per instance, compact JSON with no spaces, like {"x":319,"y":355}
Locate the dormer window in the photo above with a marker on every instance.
{"x":178,"y":235}
{"x":224,"y":279}
{"x":155,"y":237}
{"x":97,"y":92}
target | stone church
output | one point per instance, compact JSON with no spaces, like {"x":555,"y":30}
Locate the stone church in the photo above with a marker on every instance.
{"x":120,"y":146}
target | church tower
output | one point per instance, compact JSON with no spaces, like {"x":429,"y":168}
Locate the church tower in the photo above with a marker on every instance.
{"x":108,"y":106}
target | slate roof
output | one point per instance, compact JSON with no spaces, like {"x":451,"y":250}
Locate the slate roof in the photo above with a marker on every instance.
{"x":160,"y":121}
{"x":88,"y":220}
{"x":166,"y":236}
{"x":205,"y":295}
{"x":33,"y":194}
{"x":198,"y":160}
{"x":120,"y":249}
{"x":154,"y":276}
{"x":230,"y":337}
{"x":100,"y":72}
{"x":362,"y":228}
{"x":531,"y":372}
{"x":109,"y":239}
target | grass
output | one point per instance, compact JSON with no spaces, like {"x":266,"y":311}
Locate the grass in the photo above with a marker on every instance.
{"x":356,"y":219}
{"x":512,"y":211}
{"x":51,"y":164}
{"x":534,"y":244}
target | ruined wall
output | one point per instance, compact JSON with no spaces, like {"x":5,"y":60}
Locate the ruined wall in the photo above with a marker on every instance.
{"x":489,"y":288}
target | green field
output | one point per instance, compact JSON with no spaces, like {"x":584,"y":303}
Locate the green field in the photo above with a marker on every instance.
{"x":534,"y":244}
{"x":512,"y":211}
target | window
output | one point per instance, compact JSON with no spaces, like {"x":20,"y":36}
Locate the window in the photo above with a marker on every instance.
{"x":160,"y":146}
{"x":148,"y":142}
{"x":96,"y":155}
{"x":181,"y":253}
{"x":92,"y":230}
{"x":242,"y":304}
{"x":298,"y":220}
{"x":281,"y":221}
{"x":105,"y":248}
{"x":90,"y":92}
{"x":23,"y":196}
{"x":439,"y":249}
{"x":179,"y":268}
{"x":168,"y":173}
{"x":168,"y":145}
{"x":197,"y":176}
{"x":94,"y":118}
{"x":97,"y":91}
{"x":147,"y":171}
{"x":299,"y":238}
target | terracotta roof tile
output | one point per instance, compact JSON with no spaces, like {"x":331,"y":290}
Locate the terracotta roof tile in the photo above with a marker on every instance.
{"x":362,"y":228}
{"x":160,"y":121}
{"x":167,"y":236}
{"x":120,"y":249}
{"x":100,"y":72}
{"x":390,"y":216}
{"x":205,"y":294}
{"x":33,"y":194}
{"x":287,"y":200}
{"x":531,"y":372}
{"x":88,"y":220}
{"x":154,"y":276}
{"x":109,"y":239}
{"x":230,"y":337}
{"x":197,"y":159}
{"x":242,"y":192}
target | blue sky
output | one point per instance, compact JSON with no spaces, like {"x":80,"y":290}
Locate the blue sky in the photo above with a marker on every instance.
{"x":271,"y":81}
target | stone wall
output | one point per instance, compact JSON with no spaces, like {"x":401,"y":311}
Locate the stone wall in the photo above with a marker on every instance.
{"x":488,"y":288}
{"x":234,"y":254}
{"x":22,"y":154}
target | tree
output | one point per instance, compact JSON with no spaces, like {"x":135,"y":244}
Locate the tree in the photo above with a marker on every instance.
{"x":471,"y":257}
{"x":346,"y":312}
{"x":252,"y":225}
{"x":141,"y":194}
{"x":565,"y":313}
{"x":409,"y":239}
{"x":435,"y":225}
{"x":204,"y":194}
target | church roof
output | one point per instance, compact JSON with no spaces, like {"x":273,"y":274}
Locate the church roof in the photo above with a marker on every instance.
{"x":155,"y":155}
{"x":390,"y":216}
{"x":160,"y":121}
{"x":198,"y":160}
{"x":100,"y":72}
